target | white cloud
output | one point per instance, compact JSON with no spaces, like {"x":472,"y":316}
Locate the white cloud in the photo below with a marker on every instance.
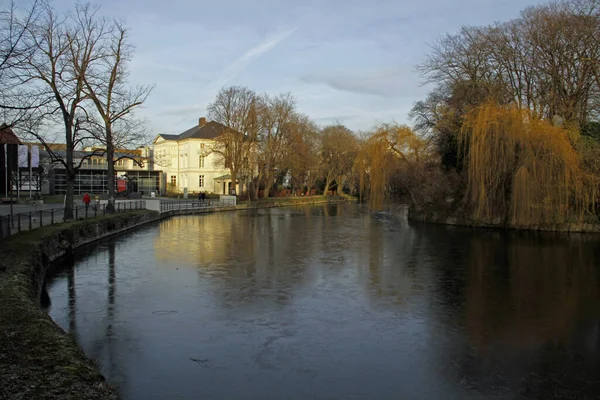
{"x":394,"y":82}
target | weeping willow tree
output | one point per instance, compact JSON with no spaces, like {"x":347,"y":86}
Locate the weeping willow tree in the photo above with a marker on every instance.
{"x":521,"y":169}
{"x":389,"y":148}
{"x":372,"y":163}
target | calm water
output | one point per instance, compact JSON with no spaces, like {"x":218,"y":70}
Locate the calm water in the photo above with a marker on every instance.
{"x":335,"y":303}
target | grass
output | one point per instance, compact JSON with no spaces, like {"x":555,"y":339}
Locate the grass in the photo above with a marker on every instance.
{"x":58,"y":199}
{"x":37,"y":358}
{"x":291,"y":200}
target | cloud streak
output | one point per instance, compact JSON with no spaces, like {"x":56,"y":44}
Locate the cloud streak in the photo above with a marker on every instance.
{"x":241,"y":63}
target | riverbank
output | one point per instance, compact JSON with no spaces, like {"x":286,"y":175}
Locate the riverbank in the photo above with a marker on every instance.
{"x":295,"y":201}
{"x":457,"y":219}
{"x":37,"y":358}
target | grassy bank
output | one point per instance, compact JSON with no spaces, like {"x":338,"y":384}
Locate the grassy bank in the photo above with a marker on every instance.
{"x":38,"y":360}
{"x":295,"y":200}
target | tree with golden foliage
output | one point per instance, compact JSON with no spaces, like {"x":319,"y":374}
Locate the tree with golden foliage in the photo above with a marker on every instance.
{"x":523,"y":170}
{"x":390,"y":148}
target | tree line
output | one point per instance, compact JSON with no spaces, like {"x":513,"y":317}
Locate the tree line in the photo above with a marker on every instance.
{"x":266,"y":138}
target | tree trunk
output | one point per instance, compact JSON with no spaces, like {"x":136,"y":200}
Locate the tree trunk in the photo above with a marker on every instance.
{"x":268,"y":185}
{"x":233,"y":181}
{"x":70,"y":172}
{"x":327,"y":183}
{"x":68,"y":212}
{"x":110,"y":178}
{"x":257,"y":188}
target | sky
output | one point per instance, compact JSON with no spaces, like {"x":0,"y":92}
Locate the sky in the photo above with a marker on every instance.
{"x":351,"y":61}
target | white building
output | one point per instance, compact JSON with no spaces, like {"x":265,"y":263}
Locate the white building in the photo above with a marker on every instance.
{"x":187,"y":162}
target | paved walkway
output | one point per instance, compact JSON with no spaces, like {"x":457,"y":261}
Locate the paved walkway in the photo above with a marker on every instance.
{"x":43,"y":214}
{"x":23,"y":208}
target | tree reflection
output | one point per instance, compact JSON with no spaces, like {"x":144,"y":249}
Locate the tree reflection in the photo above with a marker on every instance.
{"x":525,"y":291}
{"x":528,"y":307}
{"x":71,"y":295}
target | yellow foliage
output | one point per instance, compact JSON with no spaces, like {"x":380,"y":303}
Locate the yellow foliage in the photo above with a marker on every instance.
{"x":385,"y":148}
{"x":522,"y":169}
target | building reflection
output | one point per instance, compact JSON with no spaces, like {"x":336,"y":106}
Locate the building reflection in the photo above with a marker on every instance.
{"x":247,"y":256}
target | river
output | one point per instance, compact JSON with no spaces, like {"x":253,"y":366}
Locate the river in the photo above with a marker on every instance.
{"x":334,"y":302}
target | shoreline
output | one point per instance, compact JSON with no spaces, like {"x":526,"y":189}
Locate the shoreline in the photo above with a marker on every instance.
{"x":462,"y":221}
{"x":37,"y":358}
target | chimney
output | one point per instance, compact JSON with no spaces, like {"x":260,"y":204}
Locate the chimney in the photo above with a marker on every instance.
{"x":202,"y":122}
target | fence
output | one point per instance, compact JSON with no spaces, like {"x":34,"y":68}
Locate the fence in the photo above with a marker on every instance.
{"x":11,"y":224}
{"x":190,"y":205}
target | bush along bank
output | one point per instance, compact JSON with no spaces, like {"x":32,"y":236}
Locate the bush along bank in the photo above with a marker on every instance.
{"x":38,"y":360}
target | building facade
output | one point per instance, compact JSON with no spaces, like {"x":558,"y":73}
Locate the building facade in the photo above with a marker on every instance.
{"x":187,"y":162}
{"x":134,"y":172}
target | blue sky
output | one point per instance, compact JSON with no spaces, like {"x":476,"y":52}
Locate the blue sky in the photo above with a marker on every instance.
{"x":351,"y":60}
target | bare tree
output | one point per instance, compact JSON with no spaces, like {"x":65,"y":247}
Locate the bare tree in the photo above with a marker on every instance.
{"x":63,"y":53}
{"x":338,"y":152}
{"x":105,"y":84}
{"x":546,"y":61}
{"x":303,"y":152}
{"x":16,"y":47}
{"x":236,"y":108}
{"x":276,"y":120}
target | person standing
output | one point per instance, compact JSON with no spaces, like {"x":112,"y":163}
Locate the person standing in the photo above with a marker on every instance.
{"x":86,"y":201}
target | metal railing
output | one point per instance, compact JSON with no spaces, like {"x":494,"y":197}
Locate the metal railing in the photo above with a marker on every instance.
{"x":15,"y":223}
{"x":190,"y":205}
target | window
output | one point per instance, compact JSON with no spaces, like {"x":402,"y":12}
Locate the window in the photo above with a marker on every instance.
{"x":120,"y":163}
{"x":201,"y":145}
{"x":201,"y":161}
{"x":201,"y":180}
{"x":174,"y":180}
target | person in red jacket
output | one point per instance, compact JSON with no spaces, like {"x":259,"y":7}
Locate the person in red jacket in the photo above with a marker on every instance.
{"x":86,"y":201}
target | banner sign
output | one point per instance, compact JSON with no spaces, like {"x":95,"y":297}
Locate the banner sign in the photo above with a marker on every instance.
{"x":35,"y":156}
{"x":23,"y":156}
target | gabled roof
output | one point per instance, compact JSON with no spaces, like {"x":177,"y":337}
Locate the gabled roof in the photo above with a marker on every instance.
{"x":168,"y":137}
{"x":8,"y":136}
{"x":210,"y":130}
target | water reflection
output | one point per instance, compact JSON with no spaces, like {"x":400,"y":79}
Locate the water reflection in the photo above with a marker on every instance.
{"x":336,"y":302}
